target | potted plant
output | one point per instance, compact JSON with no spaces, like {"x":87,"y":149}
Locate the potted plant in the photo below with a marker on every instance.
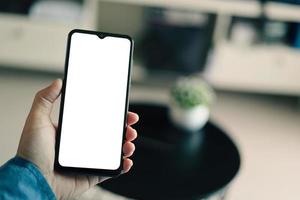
{"x":191,"y":98}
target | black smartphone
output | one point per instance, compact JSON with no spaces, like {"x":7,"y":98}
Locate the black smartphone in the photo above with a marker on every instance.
{"x":94,"y":103}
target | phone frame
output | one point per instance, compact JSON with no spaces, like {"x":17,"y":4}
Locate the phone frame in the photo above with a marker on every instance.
{"x":91,"y":171}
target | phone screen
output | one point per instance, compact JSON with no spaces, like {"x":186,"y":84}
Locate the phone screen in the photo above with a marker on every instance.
{"x":95,"y":96}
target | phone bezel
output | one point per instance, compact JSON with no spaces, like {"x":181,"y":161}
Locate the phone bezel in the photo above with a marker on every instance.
{"x":90,"y":171}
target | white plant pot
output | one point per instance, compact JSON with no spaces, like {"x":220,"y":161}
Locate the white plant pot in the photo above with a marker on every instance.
{"x":191,"y":119}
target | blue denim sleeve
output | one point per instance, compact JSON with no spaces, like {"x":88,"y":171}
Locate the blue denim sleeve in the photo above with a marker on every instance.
{"x":21,"y":179}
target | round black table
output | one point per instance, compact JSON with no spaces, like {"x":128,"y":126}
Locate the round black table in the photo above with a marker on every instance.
{"x":170,"y":163}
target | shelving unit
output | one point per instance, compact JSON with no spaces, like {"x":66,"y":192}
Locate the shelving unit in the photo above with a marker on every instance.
{"x":259,"y":68}
{"x":40,"y":45}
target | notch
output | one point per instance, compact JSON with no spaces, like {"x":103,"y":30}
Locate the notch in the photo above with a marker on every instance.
{"x":101,"y":35}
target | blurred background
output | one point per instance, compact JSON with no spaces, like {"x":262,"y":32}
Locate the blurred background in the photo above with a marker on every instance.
{"x":247,"y":50}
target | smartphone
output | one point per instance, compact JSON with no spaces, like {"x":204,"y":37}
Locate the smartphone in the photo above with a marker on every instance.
{"x":94,"y":103}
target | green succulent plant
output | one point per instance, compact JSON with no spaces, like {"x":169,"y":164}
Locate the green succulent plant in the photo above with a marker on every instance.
{"x":189,"y":92}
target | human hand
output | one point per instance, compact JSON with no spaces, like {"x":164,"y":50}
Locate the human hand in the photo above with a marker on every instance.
{"x":37,"y":145}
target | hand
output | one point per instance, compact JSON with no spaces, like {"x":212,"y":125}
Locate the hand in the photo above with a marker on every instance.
{"x":37,"y":145}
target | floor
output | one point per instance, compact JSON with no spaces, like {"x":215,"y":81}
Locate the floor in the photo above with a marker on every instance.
{"x":265,"y":128}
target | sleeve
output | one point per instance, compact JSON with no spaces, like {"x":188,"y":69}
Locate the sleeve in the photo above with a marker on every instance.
{"x":21,"y":179}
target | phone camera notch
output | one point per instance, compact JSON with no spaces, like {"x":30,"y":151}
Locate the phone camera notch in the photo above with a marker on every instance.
{"x":101,"y":35}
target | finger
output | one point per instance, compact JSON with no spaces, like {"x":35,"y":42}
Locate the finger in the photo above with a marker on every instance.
{"x":128,"y":149}
{"x":131,"y":134}
{"x":132,"y":118}
{"x":127,"y":164}
{"x":44,"y":99}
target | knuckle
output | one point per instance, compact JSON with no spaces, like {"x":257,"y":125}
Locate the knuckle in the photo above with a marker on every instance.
{"x":39,"y":98}
{"x":38,"y":95}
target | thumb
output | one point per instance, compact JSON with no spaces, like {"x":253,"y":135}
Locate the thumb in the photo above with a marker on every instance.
{"x":44,"y":99}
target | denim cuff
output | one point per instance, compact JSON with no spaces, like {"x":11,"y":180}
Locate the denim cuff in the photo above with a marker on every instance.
{"x":36,"y":173}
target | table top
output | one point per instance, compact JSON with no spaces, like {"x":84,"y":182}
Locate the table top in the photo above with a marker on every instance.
{"x":170,"y":163}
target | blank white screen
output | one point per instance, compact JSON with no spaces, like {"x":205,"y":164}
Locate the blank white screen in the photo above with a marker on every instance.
{"x":95,"y":100}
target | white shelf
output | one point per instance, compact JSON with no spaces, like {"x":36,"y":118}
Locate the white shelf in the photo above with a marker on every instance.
{"x":39,"y":44}
{"x":32,"y":43}
{"x":267,"y":69}
{"x":283,"y":12}
{"x":242,"y":8}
